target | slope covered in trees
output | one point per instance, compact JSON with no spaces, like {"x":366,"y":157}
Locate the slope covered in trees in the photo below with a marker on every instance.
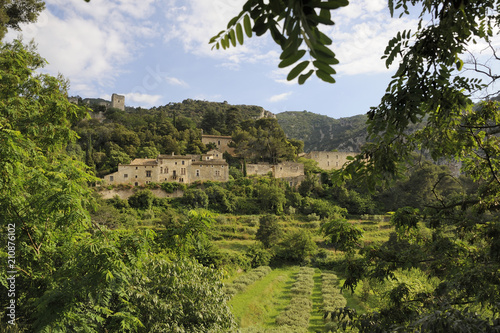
{"x":323,"y":133}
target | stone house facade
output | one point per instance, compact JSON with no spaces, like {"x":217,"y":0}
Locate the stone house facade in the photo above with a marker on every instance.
{"x":329,"y":160}
{"x":292,"y":172}
{"x":220,"y":141}
{"x":171,"y":168}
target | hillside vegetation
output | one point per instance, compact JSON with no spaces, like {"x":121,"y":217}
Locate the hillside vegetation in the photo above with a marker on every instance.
{"x":324,"y":133}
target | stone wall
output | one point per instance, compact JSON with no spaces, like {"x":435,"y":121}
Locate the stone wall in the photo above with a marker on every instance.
{"x":127,"y":193}
{"x":260,"y":169}
{"x":329,"y":160}
{"x":221,"y":142}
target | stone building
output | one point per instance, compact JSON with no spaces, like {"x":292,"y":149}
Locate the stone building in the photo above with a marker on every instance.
{"x":170,"y":168}
{"x":220,"y":141}
{"x":118,"y":102}
{"x":329,"y":160}
{"x":292,"y":172}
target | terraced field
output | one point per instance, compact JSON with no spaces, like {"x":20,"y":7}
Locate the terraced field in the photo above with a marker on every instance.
{"x":288,"y":299}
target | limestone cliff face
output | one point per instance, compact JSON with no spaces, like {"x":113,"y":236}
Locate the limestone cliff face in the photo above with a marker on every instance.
{"x":322,"y":133}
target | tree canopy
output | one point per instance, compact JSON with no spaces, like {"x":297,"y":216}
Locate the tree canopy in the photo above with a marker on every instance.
{"x":433,"y":85}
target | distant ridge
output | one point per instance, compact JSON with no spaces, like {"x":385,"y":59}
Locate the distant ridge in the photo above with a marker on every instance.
{"x":323,"y":133}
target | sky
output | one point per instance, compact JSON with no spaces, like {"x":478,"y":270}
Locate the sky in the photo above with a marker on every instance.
{"x":156,"y":51}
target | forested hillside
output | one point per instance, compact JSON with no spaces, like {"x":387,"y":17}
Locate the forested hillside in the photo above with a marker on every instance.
{"x":114,"y":136}
{"x":323,"y":133}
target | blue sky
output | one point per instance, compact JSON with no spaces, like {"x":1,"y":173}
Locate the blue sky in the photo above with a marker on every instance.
{"x":156,"y":51}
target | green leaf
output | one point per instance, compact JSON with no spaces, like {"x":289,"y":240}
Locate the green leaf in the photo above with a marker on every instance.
{"x":232,"y":37}
{"x":297,"y":70}
{"x":332,"y":4}
{"x":325,"y":76}
{"x":292,"y":59}
{"x":239,"y":33}
{"x":304,"y":77}
{"x":291,"y":47}
{"x":247,"y":25}
{"x":324,"y":67}
{"x":232,"y":22}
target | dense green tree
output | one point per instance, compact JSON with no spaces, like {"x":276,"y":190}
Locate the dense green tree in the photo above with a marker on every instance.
{"x":297,"y":247}
{"x":15,"y":12}
{"x":270,"y":197}
{"x":43,"y":191}
{"x":269,"y":231}
{"x":195,"y":198}
{"x":142,"y":199}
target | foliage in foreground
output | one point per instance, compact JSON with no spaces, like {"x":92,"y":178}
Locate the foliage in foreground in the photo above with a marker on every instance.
{"x":74,"y":275}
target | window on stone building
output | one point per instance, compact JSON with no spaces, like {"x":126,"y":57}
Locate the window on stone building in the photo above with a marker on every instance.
{"x":183,"y":171}
{"x":337,"y":164}
{"x":136,"y":184}
{"x":197,"y":173}
{"x":125,"y":176}
{"x":110,"y":178}
{"x":148,"y":173}
{"x":182,"y":162}
{"x":217,"y":172}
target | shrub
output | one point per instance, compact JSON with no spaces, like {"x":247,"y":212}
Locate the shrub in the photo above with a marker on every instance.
{"x":142,"y":199}
{"x":312,"y":217}
{"x":297,"y":247}
{"x":258,"y":256}
{"x":195,"y":198}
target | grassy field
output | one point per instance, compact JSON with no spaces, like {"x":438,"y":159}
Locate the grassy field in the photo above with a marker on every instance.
{"x":261,"y":302}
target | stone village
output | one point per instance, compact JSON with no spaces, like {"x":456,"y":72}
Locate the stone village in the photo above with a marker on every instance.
{"x":211,"y":166}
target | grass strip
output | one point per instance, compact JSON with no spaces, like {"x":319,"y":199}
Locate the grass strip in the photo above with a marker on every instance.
{"x":297,"y":313}
{"x":242,"y":282}
{"x":259,"y":305}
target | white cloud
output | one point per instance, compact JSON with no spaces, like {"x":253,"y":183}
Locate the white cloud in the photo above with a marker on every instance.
{"x":90,"y":42}
{"x":280,"y":97}
{"x":144,"y":100}
{"x":176,"y":82}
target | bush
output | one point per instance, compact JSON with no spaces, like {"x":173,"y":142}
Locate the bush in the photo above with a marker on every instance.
{"x":322,"y":208}
{"x":312,"y":217}
{"x":142,"y":199}
{"x":297,"y":247}
{"x":195,"y":198}
{"x":258,"y":256}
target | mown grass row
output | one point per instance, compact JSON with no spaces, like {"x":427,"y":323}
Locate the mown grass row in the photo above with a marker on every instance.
{"x":243,"y":281}
{"x":332,"y":299}
{"x":296,"y":314}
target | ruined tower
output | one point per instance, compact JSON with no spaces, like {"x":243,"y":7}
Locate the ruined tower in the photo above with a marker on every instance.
{"x":118,"y":101}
